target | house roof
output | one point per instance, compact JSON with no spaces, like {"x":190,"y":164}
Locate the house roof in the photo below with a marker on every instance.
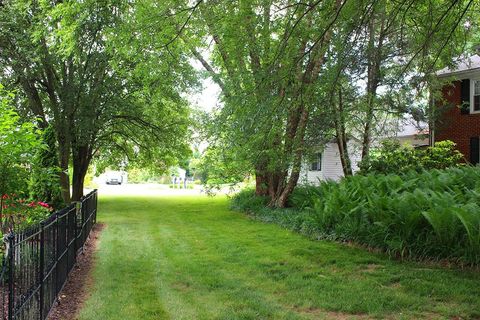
{"x":410,"y":129}
{"x":401,"y":128}
{"x":464,"y":65}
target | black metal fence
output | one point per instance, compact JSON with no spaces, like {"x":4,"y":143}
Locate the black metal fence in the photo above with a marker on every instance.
{"x":38,"y":260}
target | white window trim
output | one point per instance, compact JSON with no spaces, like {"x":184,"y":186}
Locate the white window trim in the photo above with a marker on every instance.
{"x":472,"y":92}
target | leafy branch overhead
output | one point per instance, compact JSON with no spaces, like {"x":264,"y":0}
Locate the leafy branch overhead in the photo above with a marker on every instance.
{"x":294,"y":74}
{"x":97,"y":93}
{"x":112,"y":78}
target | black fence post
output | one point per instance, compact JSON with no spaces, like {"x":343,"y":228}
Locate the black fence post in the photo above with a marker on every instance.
{"x":96,"y":206}
{"x":11,"y":275}
{"x":57,"y":254}
{"x":78,"y":209}
{"x":42,"y":267}
{"x":84,"y":222}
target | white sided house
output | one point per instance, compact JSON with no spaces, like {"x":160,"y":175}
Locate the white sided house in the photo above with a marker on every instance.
{"x":327,"y":165}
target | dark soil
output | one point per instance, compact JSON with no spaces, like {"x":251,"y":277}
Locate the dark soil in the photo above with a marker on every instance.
{"x":79,"y":283}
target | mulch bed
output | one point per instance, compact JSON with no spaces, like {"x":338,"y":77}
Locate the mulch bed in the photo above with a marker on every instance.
{"x":79,"y":283}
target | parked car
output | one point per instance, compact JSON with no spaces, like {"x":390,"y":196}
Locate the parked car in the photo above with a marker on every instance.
{"x":114,"y":178}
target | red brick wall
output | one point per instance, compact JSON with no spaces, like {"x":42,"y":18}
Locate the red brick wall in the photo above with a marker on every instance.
{"x":452,"y":125}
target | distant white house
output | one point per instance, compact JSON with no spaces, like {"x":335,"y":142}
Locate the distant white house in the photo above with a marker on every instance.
{"x":327,"y":165}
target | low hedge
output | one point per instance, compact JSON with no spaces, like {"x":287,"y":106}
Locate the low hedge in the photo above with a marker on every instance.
{"x":432,"y":215}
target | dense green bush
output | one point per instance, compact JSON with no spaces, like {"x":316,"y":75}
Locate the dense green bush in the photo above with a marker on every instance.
{"x":19,"y":141}
{"x":429,"y":215}
{"x":440,"y":156}
{"x":392,"y":157}
{"x":25,"y":173}
{"x":44,"y":181}
{"x":247,"y":201}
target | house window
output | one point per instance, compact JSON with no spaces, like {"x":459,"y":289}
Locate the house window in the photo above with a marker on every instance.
{"x":316,"y":165}
{"x":476,"y":96}
{"x":475,"y":150}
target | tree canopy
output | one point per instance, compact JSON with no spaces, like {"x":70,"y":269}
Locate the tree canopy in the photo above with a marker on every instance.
{"x":112,"y":77}
{"x":296,"y":74}
{"x":81,"y":70}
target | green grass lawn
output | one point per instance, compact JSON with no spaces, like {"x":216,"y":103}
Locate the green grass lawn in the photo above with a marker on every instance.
{"x":193,"y":258}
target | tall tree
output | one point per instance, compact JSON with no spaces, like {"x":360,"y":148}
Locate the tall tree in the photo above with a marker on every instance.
{"x":391,"y":51}
{"x":95,"y":92}
{"x":266,"y":56}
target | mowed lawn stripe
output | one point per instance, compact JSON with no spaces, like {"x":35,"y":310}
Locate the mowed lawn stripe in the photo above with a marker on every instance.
{"x":192,"y":258}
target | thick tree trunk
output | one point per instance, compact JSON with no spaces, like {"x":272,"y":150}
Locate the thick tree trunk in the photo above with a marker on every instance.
{"x":78,"y":184}
{"x":341,"y":137}
{"x":281,"y":200}
{"x":344,"y":155}
{"x":274,"y":181}
{"x":81,"y":161}
{"x":261,"y":184}
{"x":267,"y":183}
{"x":287,"y":183}
{"x":285,"y":190}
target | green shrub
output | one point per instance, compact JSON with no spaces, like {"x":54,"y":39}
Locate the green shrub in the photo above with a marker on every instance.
{"x":392,"y":157}
{"x":428,"y":215}
{"x":44,"y":182}
{"x":247,"y":201}
{"x":441,"y":156}
{"x":19,"y":142}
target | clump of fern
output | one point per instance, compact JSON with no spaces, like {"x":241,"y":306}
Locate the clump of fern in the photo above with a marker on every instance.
{"x":430,"y":215}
